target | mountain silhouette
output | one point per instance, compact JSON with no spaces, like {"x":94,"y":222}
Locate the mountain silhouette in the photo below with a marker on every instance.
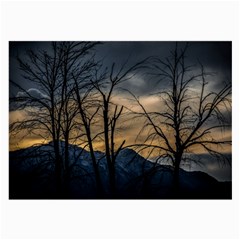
{"x":31,"y":176}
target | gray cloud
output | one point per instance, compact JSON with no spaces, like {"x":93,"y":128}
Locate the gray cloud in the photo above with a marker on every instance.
{"x":33,"y":92}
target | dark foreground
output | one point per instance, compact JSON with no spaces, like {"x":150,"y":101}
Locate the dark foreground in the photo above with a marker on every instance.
{"x":31,"y":176}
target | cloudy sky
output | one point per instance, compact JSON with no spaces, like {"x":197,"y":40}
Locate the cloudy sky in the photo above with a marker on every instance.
{"x":214,"y":56}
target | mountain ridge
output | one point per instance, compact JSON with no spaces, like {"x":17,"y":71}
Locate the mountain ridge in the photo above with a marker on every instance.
{"x":132,"y":172}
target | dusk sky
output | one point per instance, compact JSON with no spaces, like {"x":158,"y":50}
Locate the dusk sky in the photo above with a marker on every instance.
{"x":214,"y":56}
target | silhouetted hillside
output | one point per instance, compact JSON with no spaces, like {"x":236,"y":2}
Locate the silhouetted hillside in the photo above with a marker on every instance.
{"x":31,"y":176}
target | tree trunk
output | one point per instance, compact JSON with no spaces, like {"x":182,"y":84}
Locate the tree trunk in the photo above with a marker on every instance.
{"x":111,"y":167}
{"x":96,"y":170}
{"x":58,"y":169}
{"x":87,"y":127}
{"x":66,"y":166}
{"x":112,"y":180}
{"x":176,"y":183}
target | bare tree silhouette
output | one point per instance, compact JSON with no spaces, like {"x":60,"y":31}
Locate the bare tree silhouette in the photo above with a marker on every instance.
{"x":188,"y":115}
{"x":51,"y":112}
{"x":106,"y":84}
{"x":73,"y":99}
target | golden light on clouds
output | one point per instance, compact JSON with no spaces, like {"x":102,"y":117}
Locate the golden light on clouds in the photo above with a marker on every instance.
{"x":17,"y":115}
{"x":129,"y":126}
